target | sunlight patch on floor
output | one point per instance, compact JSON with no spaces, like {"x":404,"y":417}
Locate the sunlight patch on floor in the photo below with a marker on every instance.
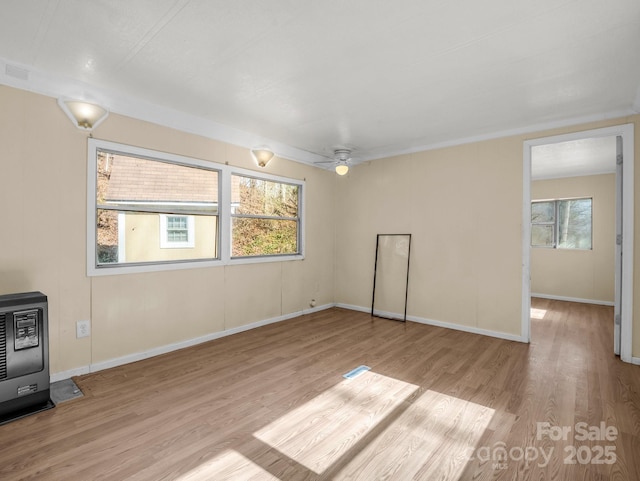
{"x":538,"y":313}
{"x":434,"y":438}
{"x":319,"y":432}
{"x":362,"y":429}
{"x":228,"y":466}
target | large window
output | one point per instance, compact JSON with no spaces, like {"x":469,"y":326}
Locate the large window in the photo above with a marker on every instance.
{"x":561,"y":224}
{"x":151,"y":210}
{"x":143,"y":206}
{"x":265,"y":220}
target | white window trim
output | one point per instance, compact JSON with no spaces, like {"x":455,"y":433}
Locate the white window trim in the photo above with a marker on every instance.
{"x":224,"y":213}
{"x":165,"y":243}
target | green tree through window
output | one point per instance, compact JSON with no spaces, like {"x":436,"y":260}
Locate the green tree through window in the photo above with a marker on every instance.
{"x":266,"y":221}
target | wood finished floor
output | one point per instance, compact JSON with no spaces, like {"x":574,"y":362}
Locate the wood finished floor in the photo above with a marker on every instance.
{"x":272,"y":404}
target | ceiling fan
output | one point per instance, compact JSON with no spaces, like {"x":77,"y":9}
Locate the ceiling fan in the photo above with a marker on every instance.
{"x":341,"y":160}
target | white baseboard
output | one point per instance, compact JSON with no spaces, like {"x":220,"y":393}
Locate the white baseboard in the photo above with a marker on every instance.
{"x":572,"y":299}
{"x":635,"y":360}
{"x":139,"y":356}
{"x":447,"y":325}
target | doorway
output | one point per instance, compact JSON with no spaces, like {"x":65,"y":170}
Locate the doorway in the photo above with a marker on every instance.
{"x":622,"y":137}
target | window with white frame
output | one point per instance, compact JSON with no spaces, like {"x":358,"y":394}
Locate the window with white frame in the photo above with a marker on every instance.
{"x":151,"y":211}
{"x":562,"y":223}
{"x":177,"y":231}
{"x":265,"y":219}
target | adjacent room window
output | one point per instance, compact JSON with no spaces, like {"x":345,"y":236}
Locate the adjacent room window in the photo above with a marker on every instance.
{"x":265,"y":220}
{"x":562,"y":224}
{"x":150,"y":211}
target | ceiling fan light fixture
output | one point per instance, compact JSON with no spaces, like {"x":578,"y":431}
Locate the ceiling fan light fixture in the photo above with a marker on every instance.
{"x":342,"y":169}
{"x":262,"y":155}
{"x":84,"y":115}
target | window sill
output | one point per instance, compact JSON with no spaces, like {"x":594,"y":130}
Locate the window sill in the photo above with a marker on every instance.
{"x":173,"y":266}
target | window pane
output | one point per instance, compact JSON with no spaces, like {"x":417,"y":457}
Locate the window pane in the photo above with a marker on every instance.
{"x":132,"y":191}
{"x":134,"y":237}
{"x":107,"y":236}
{"x":542,"y":212}
{"x":130,"y":181}
{"x":542,"y":235}
{"x":574,"y":224}
{"x":262,"y":197}
{"x":176,"y":223}
{"x":256,"y":237}
{"x":177,"y":235}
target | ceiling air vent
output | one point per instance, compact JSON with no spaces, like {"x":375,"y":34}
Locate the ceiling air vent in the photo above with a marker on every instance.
{"x":16,"y":72}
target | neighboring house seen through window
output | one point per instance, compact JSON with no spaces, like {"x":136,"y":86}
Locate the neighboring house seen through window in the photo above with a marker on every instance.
{"x":155,"y":200}
{"x":153,"y":211}
{"x":562,"y":224}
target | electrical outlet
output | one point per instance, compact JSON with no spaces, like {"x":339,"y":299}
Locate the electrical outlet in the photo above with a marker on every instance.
{"x":83,"y":329}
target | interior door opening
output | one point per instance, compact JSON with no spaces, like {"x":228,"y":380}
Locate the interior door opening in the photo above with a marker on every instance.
{"x":608,"y":154}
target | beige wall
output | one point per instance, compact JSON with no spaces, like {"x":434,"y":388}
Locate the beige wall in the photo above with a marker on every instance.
{"x":581,"y":274}
{"x":462,"y":204}
{"x":43,"y":182}
{"x":463,"y":207}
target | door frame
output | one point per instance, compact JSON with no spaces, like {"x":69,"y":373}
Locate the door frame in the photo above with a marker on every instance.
{"x":626,"y":131}
{"x":618,"y":248}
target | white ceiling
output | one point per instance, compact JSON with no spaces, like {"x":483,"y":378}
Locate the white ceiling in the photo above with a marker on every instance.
{"x":378,"y":76}
{"x":590,"y":156}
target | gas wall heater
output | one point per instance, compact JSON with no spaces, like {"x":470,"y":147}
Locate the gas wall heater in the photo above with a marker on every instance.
{"x":24,"y":355}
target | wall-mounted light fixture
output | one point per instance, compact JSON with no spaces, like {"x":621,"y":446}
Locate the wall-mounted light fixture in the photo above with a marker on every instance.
{"x":84,"y":115}
{"x":342,"y":169}
{"x":262,"y":155}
